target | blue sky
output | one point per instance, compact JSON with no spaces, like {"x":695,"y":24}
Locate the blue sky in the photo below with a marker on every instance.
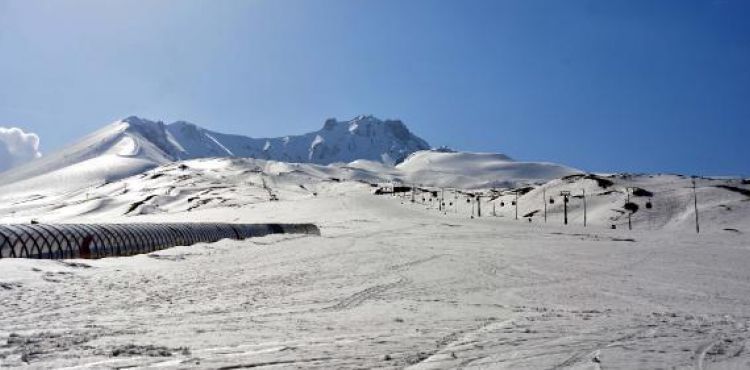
{"x":645,"y":86}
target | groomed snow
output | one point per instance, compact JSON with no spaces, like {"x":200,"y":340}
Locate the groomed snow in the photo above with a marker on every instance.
{"x":388,"y":284}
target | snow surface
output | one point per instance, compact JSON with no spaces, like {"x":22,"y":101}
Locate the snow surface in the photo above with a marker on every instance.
{"x":389,"y":283}
{"x":476,"y":170}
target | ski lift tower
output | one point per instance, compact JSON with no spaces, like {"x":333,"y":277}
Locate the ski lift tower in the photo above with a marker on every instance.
{"x":628,"y":190}
{"x":566,"y":196}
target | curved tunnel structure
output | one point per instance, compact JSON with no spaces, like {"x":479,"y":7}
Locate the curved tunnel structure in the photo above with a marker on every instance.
{"x":59,"y":241}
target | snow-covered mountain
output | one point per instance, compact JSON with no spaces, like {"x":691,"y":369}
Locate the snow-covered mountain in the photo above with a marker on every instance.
{"x":364,"y":137}
{"x":134,"y":144}
{"x":116,"y":151}
{"x":364,"y":148}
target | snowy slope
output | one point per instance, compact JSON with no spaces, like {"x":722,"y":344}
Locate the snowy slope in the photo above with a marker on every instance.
{"x":388,"y":284}
{"x":118,"y":150}
{"x":237,"y":182}
{"x":475,"y":170}
{"x":660,"y":202}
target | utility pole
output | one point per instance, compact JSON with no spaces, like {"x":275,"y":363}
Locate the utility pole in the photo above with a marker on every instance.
{"x":695,"y":204}
{"x":584,"y":207}
{"x":479,"y":205}
{"x":544,"y":201}
{"x":441,"y":203}
{"x":630,"y":213}
{"x":565,"y":194}
{"x":516,"y":204}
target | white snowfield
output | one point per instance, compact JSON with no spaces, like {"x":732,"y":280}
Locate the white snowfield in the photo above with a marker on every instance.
{"x":389,"y":283}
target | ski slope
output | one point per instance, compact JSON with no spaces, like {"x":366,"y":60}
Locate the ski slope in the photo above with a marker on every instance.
{"x":388,"y":284}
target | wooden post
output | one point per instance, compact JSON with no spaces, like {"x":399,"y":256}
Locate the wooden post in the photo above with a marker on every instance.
{"x":544,"y":200}
{"x":516,"y":204}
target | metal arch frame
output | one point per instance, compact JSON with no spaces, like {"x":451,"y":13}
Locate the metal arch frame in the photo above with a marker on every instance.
{"x":194,"y":235}
{"x":219,"y":233}
{"x":92,"y":232}
{"x":158,"y":239}
{"x":151,"y":232}
{"x":149,"y":239}
{"x":83,"y":233}
{"x":48,"y":238}
{"x":236,"y":232}
{"x":56,"y":241}
{"x":60,"y":237}
{"x":123,"y":249}
{"x":189,"y":236}
{"x":178,"y":236}
{"x":68,"y":244}
{"x":6,"y":242}
{"x":35,"y":236}
{"x":78,"y":235}
{"x":169,"y":233}
{"x":134,"y":246}
{"x":103,"y":231}
{"x":141,"y":241}
{"x":117,"y":241}
{"x":22,"y":248}
{"x":200,"y":233}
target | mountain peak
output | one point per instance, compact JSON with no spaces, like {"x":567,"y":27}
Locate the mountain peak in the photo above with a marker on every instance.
{"x":139,"y":121}
{"x":182,"y":124}
{"x":363,"y":137}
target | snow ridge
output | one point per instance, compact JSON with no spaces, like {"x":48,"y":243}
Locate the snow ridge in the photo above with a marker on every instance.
{"x":364,"y":137}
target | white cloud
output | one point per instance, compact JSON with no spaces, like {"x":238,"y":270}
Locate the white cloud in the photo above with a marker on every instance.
{"x":17,"y":147}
